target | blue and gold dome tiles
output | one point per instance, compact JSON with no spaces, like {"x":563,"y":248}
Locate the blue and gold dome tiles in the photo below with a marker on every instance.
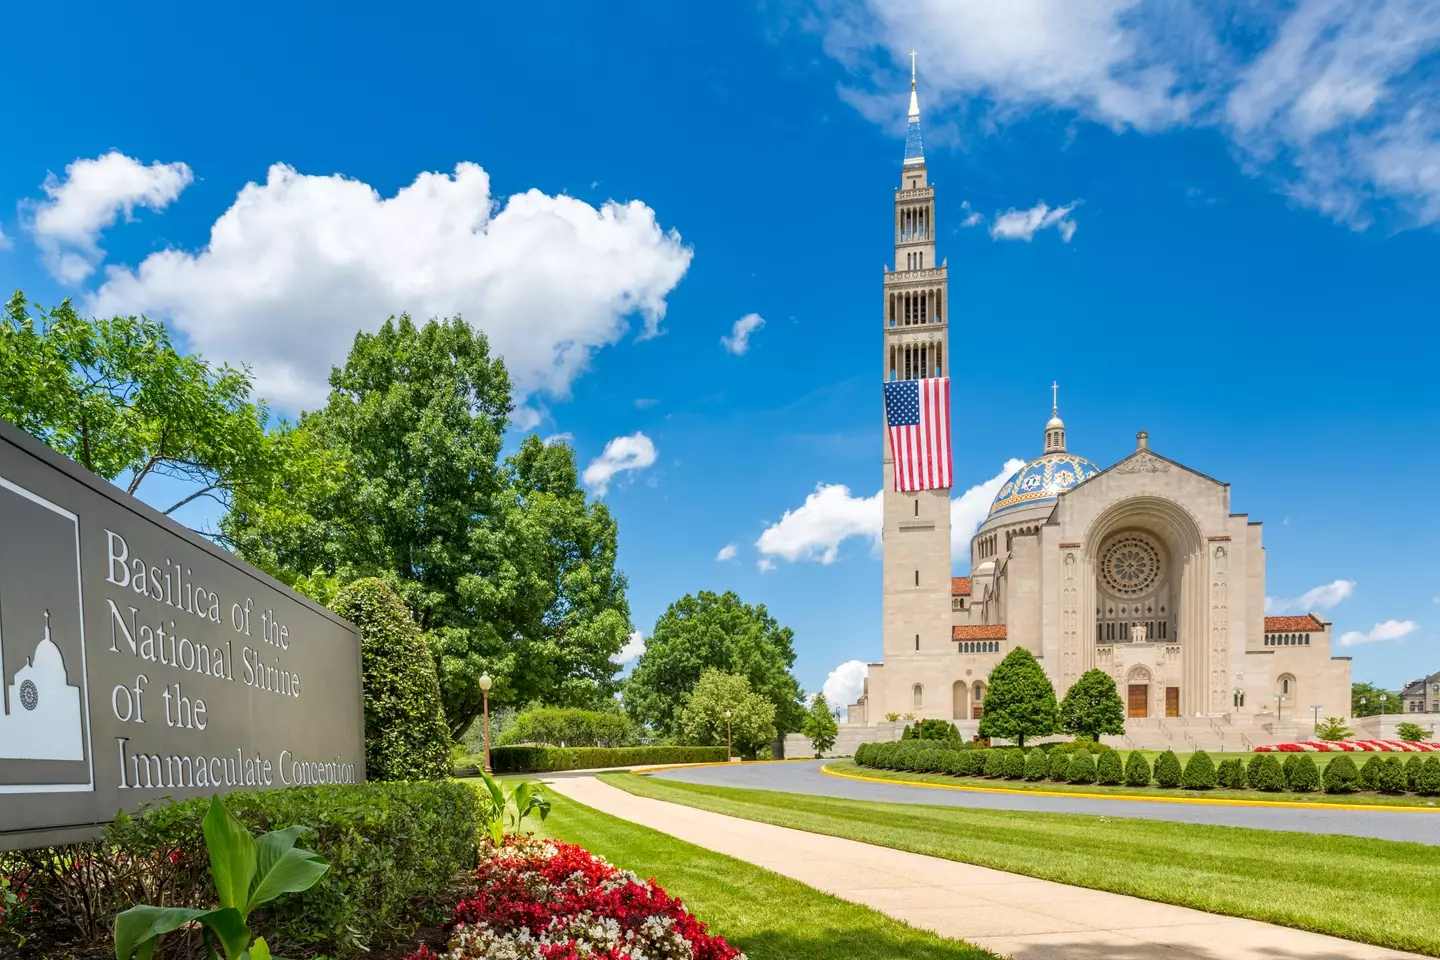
{"x":1043,"y":479}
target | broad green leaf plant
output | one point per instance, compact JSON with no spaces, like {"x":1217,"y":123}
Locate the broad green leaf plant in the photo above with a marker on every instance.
{"x":247,"y":871}
{"x":506,"y":806}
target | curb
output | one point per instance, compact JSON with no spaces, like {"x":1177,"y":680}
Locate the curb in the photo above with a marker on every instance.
{"x":1200,"y":801}
{"x":717,"y":763}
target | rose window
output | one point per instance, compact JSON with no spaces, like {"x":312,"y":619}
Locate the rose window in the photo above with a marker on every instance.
{"x":29,"y":695}
{"x":1131,"y":566}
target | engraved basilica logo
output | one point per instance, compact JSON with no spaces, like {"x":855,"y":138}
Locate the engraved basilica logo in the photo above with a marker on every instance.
{"x":43,"y":724}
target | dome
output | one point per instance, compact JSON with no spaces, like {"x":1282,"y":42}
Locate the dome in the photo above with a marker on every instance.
{"x":1042,"y":479}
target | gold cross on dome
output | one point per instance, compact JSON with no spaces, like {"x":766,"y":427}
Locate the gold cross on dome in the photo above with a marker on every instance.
{"x":1055,"y":397}
{"x":912,"y":67}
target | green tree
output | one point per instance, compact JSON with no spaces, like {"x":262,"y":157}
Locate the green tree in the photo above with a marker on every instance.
{"x":820,"y":725}
{"x":1370,"y":693}
{"x":707,"y":631}
{"x":1092,"y":707}
{"x":1333,"y":728}
{"x":505,"y":567}
{"x":406,"y":737}
{"x":1020,"y":701}
{"x":751,"y":723}
{"x":1412,"y":732}
{"x":118,"y":398}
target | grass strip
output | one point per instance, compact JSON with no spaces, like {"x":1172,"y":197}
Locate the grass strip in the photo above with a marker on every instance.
{"x":768,"y":916}
{"x":1374,"y":891}
{"x":1055,"y":786}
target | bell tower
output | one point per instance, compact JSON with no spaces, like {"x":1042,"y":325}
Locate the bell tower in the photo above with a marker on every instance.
{"x":916,"y":533}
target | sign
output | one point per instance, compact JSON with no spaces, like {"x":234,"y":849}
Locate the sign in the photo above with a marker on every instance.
{"x":140,"y":662}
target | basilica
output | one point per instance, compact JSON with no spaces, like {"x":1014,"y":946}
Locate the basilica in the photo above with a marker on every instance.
{"x":1139,"y":569}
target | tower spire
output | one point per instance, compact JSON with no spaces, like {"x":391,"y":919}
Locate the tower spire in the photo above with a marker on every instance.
{"x":914,"y":151}
{"x":1055,"y":429}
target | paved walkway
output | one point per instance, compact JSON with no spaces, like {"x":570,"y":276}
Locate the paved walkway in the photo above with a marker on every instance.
{"x":1006,"y":913}
{"x":1420,"y":825}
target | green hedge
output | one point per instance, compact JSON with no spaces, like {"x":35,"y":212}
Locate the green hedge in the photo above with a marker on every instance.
{"x":396,"y":851}
{"x":548,"y":759}
{"x":573,"y":727}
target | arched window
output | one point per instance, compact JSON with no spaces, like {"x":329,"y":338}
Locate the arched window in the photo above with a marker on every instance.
{"x":919,"y":694}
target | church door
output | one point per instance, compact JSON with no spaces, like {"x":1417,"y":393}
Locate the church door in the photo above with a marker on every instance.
{"x":960,"y":700}
{"x":1172,"y":701}
{"x":1139,"y":700}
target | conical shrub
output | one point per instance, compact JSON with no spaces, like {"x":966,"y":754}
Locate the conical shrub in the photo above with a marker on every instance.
{"x":1108,"y":769}
{"x":1412,"y":772}
{"x":1037,"y":765}
{"x":1370,"y":773}
{"x":1167,"y":769}
{"x":1269,"y":776}
{"x":1014,"y":764}
{"x":1341,"y":775}
{"x":1082,"y":768}
{"x":1392,"y":775}
{"x":1252,"y":770}
{"x":1305,"y":777}
{"x":1137,"y":770}
{"x":1199,"y":772}
{"x":1060,"y":765}
{"x":1427,"y":783}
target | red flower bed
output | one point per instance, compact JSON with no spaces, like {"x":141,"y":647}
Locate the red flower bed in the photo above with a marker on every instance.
{"x":540,"y":900}
{"x":1351,"y":746}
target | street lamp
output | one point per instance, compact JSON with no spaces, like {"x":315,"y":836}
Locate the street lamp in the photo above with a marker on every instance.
{"x":727,"y":736}
{"x":485,"y":685}
{"x":1382,"y":704}
{"x":1316,"y":708}
{"x":1362,"y":707}
{"x":1280,"y":699}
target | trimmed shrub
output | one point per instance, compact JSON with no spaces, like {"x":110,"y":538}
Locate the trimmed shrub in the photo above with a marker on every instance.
{"x":995,"y":764}
{"x":1108,"y":769}
{"x":1167,"y":770}
{"x":1341,"y":775}
{"x":1082,"y":767}
{"x":1392,"y":776}
{"x":1427,"y":782}
{"x":1252,"y":770}
{"x":1060,"y":764}
{"x":566,"y":726}
{"x":1370,"y":773}
{"x":396,"y":851}
{"x":1269,"y":775}
{"x":982,"y":759}
{"x":547,"y":759}
{"x":1412,"y":772}
{"x":1287,"y":766}
{"x":1231,"y":774}
{"x":1199,"y":772}
{"x":406,"y":736}
{"x":1137,"y":770}
{"x":1014,"y":764}
{"x":1305,"y":777}
{"x":1037,"y":765}
{"x":862,"y":755}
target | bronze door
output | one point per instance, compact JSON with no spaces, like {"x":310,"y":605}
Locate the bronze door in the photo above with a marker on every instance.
{"x":1139,"y":700}
{"x":1172,"y":701}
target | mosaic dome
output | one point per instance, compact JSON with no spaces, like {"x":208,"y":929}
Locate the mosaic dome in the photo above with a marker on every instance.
{"x":1042,"y":479}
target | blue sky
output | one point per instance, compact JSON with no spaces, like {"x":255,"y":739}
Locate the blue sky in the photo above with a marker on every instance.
{"x":1253,"y":191}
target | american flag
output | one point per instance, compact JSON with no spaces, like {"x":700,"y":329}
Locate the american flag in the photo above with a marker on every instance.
{"x":918,"y":415}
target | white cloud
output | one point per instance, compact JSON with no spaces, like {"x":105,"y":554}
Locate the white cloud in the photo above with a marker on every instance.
{"x":632,"y":649}
{"x":5,"y":243}
{"x":1024,"y":224}
{"x":92,"y":195}
{"x":621,"y":455}
{"x":727,"y":552}
{"x":815,"y":529}
{"x":645,"y":403}
{"x":565,"y":438}
{"x":299,"y":262}
{"x":845,"y":684}
{"x":1322,"y":597}
{"x":739,"y":340}
{"x":973,"y":218}
{"x":764,"y":564}
{"x":1338,"y":104}
{"x":1389,"y":630}
{"x":970,"y":509}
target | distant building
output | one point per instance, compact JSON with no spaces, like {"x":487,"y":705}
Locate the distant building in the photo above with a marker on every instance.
{"x":1422,"y":696}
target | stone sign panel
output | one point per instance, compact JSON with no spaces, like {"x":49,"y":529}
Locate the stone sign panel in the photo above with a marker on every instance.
{"x":139,"y":661}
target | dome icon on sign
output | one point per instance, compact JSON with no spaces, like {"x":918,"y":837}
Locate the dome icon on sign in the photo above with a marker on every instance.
{"x":42,"y":719}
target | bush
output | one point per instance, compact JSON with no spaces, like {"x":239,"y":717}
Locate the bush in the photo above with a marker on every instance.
{"x":1167,"y":769}
{"x":569,"y":727}
{"x":547,"y":759}
{"x":1199,"y":772}
{"x":862,"y":755}
{"x":396,"y":852}
{"x":1108,"y":769}
{"x":1412,"y":732}
{"x":1392,"y":776}
{"x":980,"y":758}
{"x":1412,"y":772}
{"x":1252,"y":770}
{"x":1230,"y":774}
{"x":995,"y":764}
{"x":1082,"y":767}
{"x":1267,"y":775}
{"x":1287,"y":766}
{"x":957,"y":762}
{"x":1427,"y":783}
{"x":1137,"y":770}
{"x":1305,"y":776}
{"x":1014,"y":764}
{"x":932,"y":730}
{"x":1370,"y":773}
{"x":1060,"y":764}
{"x":406,"y":736}
{"x":1037,"y":765}
{"x":1341,"y":775}
{"x":1332,"y":728}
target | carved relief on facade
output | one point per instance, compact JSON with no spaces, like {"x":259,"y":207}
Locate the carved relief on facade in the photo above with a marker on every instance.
{"x":1142,"y":463}
{"x":1070,"y":658}
{"x":1219,"y":627}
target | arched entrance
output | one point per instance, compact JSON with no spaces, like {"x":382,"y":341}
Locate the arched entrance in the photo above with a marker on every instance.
{"x":977,"y":700}
{"x":960,"y":701}
{"x":1137,"y":692}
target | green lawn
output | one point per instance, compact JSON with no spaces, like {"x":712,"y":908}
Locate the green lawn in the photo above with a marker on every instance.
{"x":1374,"y":891}
{"x":768,"y":916}
{"x":1054,"y":786}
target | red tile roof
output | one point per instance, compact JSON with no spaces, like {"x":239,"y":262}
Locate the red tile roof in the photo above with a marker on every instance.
{"x":1309,"y":623}
{"x":978,"y":631}
{"x":959,"y":586}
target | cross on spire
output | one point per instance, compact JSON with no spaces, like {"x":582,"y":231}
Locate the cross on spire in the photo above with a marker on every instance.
{"x":912,"y":69}
{"x":1055,"y":398}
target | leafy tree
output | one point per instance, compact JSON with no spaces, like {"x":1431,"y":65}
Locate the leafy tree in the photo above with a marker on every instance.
{"x":1092,"y":707}
{"x":707,"y":631}
{"x":1371,"y":695}
{"x":505,"y":567}
{"x":1333,"y":728}
{"x":406,"y":737}
{"x":820,"y":725}
{"x":1137,"y":770}
{"x":118,"y":398}
{"x":752,"y":715}
{"x":1020,"y":701}
{"x":1167,"y":769}
{"x":1412,"y":732}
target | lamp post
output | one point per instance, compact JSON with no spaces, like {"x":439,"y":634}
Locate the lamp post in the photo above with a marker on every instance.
{"x":1279,"y":705}
{"x":1382,"y":704}
{"x":1362,"y":707}
{"x":727,"y":736}
{"x":1316,"y":707}
{"x":485,"y":684}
